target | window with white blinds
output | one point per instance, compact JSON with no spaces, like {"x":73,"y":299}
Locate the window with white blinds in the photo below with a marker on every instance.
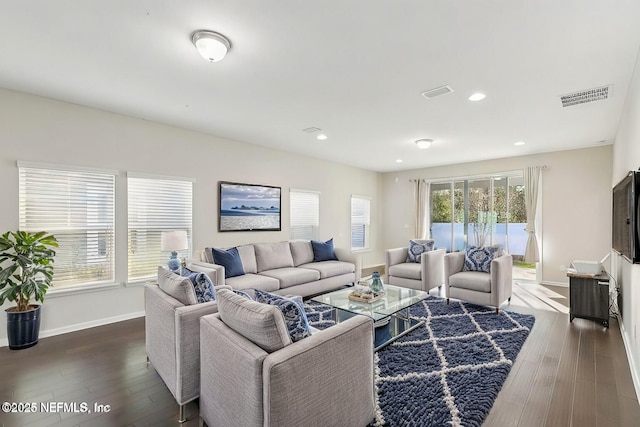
{"x":304,"y":214}
{"x":360,"y":217}
{"x":78,"y":208}
{"x":155,"y":205}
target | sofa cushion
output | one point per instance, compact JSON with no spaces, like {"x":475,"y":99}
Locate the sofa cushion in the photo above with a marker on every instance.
{"x":292,"y":276}
{"x":301,"y":251}
{"x":176,"y":286}
{"x":323,"y":251}
{"x":230,"y":260}
{"x":273,"y":255}
{"x":407,"y":270}
{"x":417,"y":248}
{"x":330,"y":268}
{"x":202,"y":285}
{"x":472,"y":280}
{"x":479,"y":259}
{"x":253,"y":281}
{"x":262,"y":324}
{"x":248,"y":258}
{"x":293,"y":312}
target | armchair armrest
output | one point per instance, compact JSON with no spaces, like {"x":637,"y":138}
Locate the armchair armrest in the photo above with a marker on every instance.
{"x":395,"y":256}
{"x":501,"y":279}
{"x":432,"y":265}
{"x":453,"y":263}
{"x":338,"y":361}
{"x":347,"y":256}
{"x":214,"y":271}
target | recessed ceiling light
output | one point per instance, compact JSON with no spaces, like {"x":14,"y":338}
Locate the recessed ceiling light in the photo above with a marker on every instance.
{"x":398,"y":160}
{"x":322,"y":137}
{"x":477,"y":96}
{"x":424,"y":143}
{"x":519,"y":143}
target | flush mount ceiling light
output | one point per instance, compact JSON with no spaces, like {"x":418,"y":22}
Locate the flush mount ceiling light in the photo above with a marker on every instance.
{"x":425,"y":143}
{"x":477,"y":96}
{"x":211,"y":45}
{"x":519,"y":143}
{"x":321,"y":137}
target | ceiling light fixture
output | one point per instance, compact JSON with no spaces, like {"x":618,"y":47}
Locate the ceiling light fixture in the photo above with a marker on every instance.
{"x":322,"y":137}
{"x":398,"y":160}
{"x":477,"y":96}
{"x":519,"y":143}
{"x":211,"y":45}
{"x":425,"y":143}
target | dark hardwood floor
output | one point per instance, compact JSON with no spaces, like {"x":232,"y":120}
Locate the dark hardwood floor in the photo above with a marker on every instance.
{"x":567,"y":374}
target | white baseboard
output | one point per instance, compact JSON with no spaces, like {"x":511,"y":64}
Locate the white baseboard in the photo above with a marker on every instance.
{"x":4,"y":342}
{"x":635,"y":374}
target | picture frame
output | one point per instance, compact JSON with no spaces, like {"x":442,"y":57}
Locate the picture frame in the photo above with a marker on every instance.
{"x":249,"y":207}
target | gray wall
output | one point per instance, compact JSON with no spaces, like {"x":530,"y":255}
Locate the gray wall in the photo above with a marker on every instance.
{"x":42,"y":130}
{"x":575,"y":203}
{"x":626,"y":157}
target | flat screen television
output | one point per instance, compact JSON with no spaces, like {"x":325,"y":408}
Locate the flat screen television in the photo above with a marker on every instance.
{"x":626,"y":217}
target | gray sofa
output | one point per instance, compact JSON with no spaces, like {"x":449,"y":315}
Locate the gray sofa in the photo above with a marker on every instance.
{"x":326,"y":379}
{"x":288,"y":268}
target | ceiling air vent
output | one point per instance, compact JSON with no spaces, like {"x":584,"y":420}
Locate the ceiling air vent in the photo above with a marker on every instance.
{"x":432,"y":93}
{"x":588,"y":95}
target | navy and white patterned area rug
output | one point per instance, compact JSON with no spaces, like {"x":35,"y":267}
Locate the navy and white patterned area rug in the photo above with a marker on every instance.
{"x":447,"y":372}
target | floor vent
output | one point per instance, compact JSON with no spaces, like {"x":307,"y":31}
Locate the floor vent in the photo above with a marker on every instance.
{"x":588,"y":95}
{"x":432,"y":93}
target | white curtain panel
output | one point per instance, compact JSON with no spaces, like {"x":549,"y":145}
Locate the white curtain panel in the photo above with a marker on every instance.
{"x":531,"y":185}
{"x":423,"y":213}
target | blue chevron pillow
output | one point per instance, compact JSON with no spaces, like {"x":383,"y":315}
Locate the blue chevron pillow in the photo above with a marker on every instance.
{"x":479,"y":259}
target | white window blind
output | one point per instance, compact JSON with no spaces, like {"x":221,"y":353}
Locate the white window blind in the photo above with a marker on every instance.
{"x":304,"y":214}
{"x":78,"y":208}
{"x":360,"y":216}
{"x":155,"y":205}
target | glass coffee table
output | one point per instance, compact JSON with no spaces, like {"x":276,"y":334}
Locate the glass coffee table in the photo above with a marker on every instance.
{"x":390,"y":313}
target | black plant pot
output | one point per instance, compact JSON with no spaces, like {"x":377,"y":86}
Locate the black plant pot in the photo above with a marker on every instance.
{"x":23,"y":327}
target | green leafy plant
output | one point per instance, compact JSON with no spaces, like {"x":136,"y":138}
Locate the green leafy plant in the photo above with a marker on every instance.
{"x":26,"y":266}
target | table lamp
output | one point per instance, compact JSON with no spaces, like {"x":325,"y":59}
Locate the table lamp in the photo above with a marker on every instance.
{"x":174,"y":241}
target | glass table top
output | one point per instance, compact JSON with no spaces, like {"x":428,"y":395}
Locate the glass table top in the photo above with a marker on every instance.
{"x":395,"y":299}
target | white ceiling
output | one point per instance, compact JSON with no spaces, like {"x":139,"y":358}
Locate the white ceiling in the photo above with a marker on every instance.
{"x":355,"y":69}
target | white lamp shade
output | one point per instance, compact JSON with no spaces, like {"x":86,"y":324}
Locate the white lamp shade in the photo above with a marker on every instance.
{"x":172,"y":241}
{"x":212,"y":46}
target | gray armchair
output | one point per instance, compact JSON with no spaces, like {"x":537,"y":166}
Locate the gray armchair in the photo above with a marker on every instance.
{"x":172,"y":339}
{"x":477,"y":287}
{"x":322,"y":380}
{"x":423,"y":276}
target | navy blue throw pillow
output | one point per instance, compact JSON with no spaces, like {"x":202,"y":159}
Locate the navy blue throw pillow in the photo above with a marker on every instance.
{"x":323,"y":251}
{"x":230,"y":260}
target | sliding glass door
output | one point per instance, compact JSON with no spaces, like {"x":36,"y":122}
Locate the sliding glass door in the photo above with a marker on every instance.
{"x":479,"y":212}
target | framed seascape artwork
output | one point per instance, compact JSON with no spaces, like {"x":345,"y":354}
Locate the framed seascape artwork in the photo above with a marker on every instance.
{"x":248,"y":207}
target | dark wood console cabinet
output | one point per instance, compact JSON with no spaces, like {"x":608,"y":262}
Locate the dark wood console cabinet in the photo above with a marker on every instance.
{"x":589,"y":297}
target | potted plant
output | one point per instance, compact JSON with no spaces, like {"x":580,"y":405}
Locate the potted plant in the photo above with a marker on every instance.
{"x":26,"y":271}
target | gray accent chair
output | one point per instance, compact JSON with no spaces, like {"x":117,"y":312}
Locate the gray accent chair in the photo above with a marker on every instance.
{"x":172,"y":339}
{"x":490,"y":289}
{"x":422,"y":276}
{"x":253,"y":375}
